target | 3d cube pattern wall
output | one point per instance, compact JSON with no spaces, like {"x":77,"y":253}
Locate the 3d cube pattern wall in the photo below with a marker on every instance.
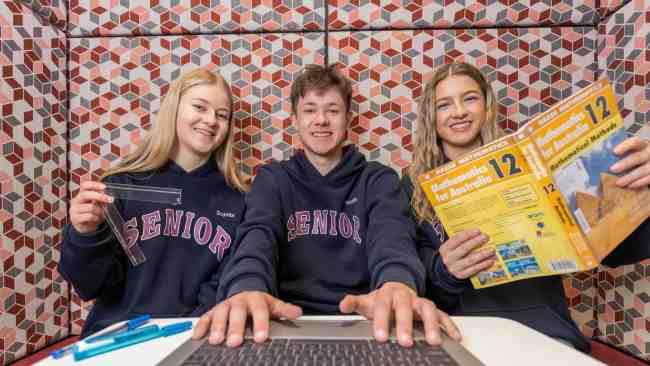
{"x":34,"y":299}
{"x":122,"y":57}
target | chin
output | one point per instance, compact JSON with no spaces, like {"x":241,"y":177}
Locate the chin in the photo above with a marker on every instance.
{"x":467,"y":138}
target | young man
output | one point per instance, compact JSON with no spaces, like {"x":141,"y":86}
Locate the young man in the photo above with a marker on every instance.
{"x":325,"y":231}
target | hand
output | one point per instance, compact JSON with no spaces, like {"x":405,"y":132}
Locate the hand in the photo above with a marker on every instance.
{"x":635,"y":164}
{"x":86,"y":208}
{"x":460,"y":259}
{"x":397,"y":298}
{"x":234,"y":311}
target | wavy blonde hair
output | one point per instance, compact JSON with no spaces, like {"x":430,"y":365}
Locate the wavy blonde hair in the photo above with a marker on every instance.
{"x":156,"y":147}
{"x":427,"y":148}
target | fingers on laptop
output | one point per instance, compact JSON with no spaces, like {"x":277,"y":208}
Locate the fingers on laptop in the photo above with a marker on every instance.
{"x":227,"y":320}
{"x":434,"y":321}
{"x":360,"y":304}
{"x":394,"y":298}
{"x":260,"y":307}
{"x":429,"y":315}
{"x":381,"y":315}
{"x":237,"y":318}
{"x":404,"y":318}
{"x":281,"y":309}
{"x":406,"y":305}
{"x":202,"y":326}
{"x":219,"y":323}
{"x":449,"y":326}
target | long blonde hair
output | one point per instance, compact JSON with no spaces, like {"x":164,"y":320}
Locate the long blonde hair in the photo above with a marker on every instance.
{"x":155,"y":148}
{"x":427,"y":149}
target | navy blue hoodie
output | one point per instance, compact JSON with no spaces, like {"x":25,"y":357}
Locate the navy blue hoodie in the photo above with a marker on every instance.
{"x":185,"y":247}
{"x":539,"y":303}
{"x":311,"y":239}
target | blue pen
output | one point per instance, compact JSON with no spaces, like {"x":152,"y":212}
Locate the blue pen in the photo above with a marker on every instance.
{"x":127,"y":326}
{"x":125,"y":340}
{"x":59,"y":353}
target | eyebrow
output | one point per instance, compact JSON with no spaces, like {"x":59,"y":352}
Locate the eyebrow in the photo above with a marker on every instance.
{"x":462,"y":95}
{"x":311,"y":104}
{"x":201,"y":100}
{"x":204,"y":101}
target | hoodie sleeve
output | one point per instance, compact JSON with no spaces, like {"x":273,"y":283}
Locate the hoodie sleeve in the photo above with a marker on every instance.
{"x":633,"y":249}
{"x":441,"y":286}
{"x":209,"y":294}
{"x":91,"y":262}
{"x":94,"y":263}
{"x":390,"y":246}
{"x":253,"y":265}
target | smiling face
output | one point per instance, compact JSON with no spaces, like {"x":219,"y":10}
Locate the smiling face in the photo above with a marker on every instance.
{"x":322,"y":122}
{"x":202,"y":124}
{"x":460,"y":114}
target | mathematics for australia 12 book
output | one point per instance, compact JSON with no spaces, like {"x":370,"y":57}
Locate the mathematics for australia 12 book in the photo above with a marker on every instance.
{"x":544,"y":194}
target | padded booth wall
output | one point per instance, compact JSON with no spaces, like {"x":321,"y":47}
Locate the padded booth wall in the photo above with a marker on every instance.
{"x":122,"y":56}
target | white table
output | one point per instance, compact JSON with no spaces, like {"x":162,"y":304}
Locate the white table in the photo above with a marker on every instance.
{"x":495,"y":341}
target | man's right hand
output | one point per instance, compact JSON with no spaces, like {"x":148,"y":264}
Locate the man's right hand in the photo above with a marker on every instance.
{"x":228,"y":318}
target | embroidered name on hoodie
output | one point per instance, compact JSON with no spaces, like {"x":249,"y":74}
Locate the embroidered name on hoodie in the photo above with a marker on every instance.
{"x":323,"y":222}
{"x":201,"y":229}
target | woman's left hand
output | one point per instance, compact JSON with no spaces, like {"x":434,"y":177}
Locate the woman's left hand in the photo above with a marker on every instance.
{"x":635,"y":165}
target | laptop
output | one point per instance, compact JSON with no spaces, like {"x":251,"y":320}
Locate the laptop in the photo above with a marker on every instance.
{"x":323,"y":341}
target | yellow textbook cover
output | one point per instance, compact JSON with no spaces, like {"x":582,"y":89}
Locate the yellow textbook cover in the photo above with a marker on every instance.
{"x":544,"y":194}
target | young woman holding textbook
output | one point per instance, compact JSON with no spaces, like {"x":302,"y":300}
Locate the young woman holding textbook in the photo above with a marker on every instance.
{"x":189,"y":147}
{"x":457,"y":114}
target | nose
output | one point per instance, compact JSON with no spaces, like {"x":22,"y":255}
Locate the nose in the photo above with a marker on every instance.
{"x":459,"y":109}
{"x":320,"y":118}
{"x":210,"y":119}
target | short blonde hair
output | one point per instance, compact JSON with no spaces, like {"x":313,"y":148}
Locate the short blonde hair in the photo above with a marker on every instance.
{"x":156,"y":147}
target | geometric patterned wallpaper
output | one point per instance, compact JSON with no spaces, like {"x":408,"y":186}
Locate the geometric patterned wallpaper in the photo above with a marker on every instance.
{"x":33,"y":184}
{"x":53,"y":12}
{"x":122,"y":56}
{"x":458,"y":14}
{"x":623,"y":310}
{"x":624,"y":58}
{"x":144,"y":17}
{"x":530,"y":69}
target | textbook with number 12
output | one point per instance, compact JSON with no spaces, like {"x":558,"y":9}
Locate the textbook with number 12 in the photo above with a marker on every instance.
{"x":544,"y":194}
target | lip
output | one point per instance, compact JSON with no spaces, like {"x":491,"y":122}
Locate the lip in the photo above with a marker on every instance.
{"x":461,"y":125}
{"x":321,"y":134}
{"x":204,"y":132}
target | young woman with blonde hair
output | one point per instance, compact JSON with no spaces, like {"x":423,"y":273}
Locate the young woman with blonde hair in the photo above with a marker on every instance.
{"x":457,"y":114}
{"x":190,"y":148}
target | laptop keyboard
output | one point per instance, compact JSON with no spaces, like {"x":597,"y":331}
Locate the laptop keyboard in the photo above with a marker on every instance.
{"x":320,"y":352}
